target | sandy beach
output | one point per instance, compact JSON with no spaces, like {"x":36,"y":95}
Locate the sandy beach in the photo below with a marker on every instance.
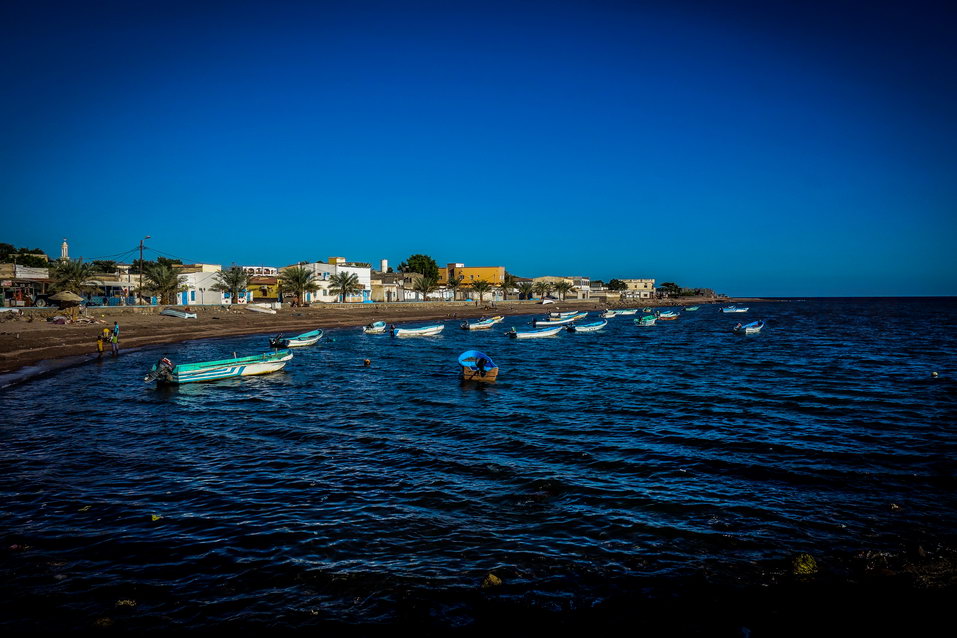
{"x":29,"y":337}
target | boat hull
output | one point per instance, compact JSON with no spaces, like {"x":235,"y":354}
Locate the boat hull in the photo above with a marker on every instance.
{"x":216,"y":370}
{"x":429,"y":331}
{"x":646,"y":321}
{"x":169,"y":312}
{"x":535,"y":334}
{"x":376,"y":328}
{"x":588,"y":327}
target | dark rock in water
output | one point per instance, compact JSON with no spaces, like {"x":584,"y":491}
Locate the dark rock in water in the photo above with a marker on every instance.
{"x":804,"y":565}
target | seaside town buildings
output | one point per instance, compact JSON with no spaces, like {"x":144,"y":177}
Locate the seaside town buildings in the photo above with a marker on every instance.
{"x":27,"y":286}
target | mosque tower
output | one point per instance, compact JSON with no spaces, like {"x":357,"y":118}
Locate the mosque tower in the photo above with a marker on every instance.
{"x":64,"y":250}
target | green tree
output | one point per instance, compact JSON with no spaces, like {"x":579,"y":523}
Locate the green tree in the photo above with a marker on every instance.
{"x":542,"y":288}
{"x":525,"y":289}
{"x":422,"y":264}
{"x":72,"y":275}
{"x":562,"y":288}
{"x":298,"y":280}
{"x":481,"y":287}
{"x":670,"y":289}
{"x":344,"y":284}
{"x":507,"y":285}
{"x":617,"y":284}
{"x":106,"y":266}
{"x":425,"y":285}
{"x":232,"y":280}
{"x":163,"y":280}
{"x":453,"y":285}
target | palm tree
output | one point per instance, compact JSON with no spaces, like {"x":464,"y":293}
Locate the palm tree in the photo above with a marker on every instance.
{"x":425,"y":285}
{"x":542,"y":288}
{"x":231,"y":280}
{"x":525,"y":289}
{"x":481,"y":287}
{"x":562,"y":287}
{"x":508,"y":283}
{"x":162,"y":280}
{"x":453,"y":285}
{"x":72,"y":275}
{"x":299,"y":280}
{"x":344,"y":284}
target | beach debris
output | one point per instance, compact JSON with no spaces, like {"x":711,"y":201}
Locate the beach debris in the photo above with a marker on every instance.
{"x":367,"y":362}
{"x":155,"y":517}
{"x":491,"y":580}
{"x":804,"y":565}
{"x":126,"y":602}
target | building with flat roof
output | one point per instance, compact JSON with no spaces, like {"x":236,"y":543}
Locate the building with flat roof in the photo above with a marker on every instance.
{"x":467,"y":275}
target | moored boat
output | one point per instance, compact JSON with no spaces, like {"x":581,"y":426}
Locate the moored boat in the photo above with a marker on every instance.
{"x":749,"y":328}
{"x":478,"y":366}
{"x":734,"y":309}
{"x":647,"y":320}
{"x":374,"y":328}
{"x":627,"y":311}
{"x":559,"y":322}
{"x":562,"y":315}
{"x":305,"y":339}
{"x":172,"y":312}
{"x":424,"y":331}
{"x":165,"y":372}
{"x":668,"y":315}
{"x":482,"y":324}
{"x":691,"y":308}
{"x":535,"y":333}
{"x":608,"y":314}
{"x":588,"y":327}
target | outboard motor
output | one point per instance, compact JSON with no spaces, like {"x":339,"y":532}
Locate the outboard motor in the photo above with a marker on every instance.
{"x":277,"y":341}
{"x":162,"y":371}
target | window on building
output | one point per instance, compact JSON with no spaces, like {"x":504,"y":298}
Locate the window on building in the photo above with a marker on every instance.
{"x":192,"y":294}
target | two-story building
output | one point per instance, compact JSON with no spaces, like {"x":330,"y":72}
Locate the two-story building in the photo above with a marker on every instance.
{"x":323,"y":271}
{"x":638,"y":289}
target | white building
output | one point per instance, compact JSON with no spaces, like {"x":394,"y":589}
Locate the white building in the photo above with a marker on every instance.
{"x":324,"y":271}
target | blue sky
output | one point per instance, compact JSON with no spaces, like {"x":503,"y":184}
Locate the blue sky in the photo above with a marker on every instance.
{"x":757,"y":148}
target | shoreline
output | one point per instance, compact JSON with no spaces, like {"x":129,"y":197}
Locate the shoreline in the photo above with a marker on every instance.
{"x":31,"y":346}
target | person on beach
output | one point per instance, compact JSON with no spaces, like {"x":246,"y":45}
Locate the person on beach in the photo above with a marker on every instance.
{"x":99,"y":346}
{"x":115,"y":339}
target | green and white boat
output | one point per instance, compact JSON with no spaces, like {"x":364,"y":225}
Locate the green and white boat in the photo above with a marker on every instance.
{"x":691,"y":308}
{"x":165,"y":372}
{"x":646,"y":320}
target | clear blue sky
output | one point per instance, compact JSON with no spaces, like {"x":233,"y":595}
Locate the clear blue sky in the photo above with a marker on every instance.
{"x":760,"y":148}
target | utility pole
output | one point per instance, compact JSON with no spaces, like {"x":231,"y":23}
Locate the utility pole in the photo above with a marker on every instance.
{"x":141,"y":267}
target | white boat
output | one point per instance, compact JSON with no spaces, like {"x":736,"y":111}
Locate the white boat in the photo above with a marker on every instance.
{"x":588,"y":327}
{"x":646,"y":320}
{"x":305,"y":339}
{"x":482,"y":324}
{"x":752,"y":328}
{"x":562,"y":315}
{"x":627,"y":311}
{"x":608,"y":314}
{"x":734,"y":309}
{"x":268,"y":311}
{"x":534,"y":334}
{"x":425,"y":331}
{"x":171,"y":312}
{"x":374,"y":328}
{"x":542,"y":323}
{"x":165,"y":372}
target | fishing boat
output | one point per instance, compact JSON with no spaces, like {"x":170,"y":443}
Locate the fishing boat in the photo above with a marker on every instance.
{"x":424,"y":331}
{"x":164,"y":371}
{"x":749,"y":328}
{"x":668,"y":315}
{"x":608,"y":314}
{"x":305,"y":339}
{"x":482,"y":324}
{"x":627,"y":311}
{"x":734,"y":309}
{"x":534,"y":334}
{"x":172,"y":312}
{"x":374,"y":328}
{"x":691,"y":308}
{"x":588,"y":327}
{"x":562,"y":315}
{"x":478,"y":366}
{"x":558,"y":322}
{"x":268,"y":311}
{"x":647,"y":320}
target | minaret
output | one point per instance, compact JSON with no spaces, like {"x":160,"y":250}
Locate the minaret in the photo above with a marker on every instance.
{"x":64,"y":250}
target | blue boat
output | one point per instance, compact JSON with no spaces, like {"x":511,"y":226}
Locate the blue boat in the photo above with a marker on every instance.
{"x":477,"y":366}
{"x":752,"y":328}
{"x":165,"y":372}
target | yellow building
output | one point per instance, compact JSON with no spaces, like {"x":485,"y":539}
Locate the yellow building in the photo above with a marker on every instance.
{"x":467,"y":276}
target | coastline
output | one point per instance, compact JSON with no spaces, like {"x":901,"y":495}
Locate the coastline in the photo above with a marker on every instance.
{"x":31,"y":346}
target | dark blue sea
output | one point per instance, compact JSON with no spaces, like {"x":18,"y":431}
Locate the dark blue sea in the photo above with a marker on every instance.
{"x":600,"y":468}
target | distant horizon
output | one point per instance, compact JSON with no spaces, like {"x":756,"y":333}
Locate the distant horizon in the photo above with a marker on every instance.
{"x":737,"y":147}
